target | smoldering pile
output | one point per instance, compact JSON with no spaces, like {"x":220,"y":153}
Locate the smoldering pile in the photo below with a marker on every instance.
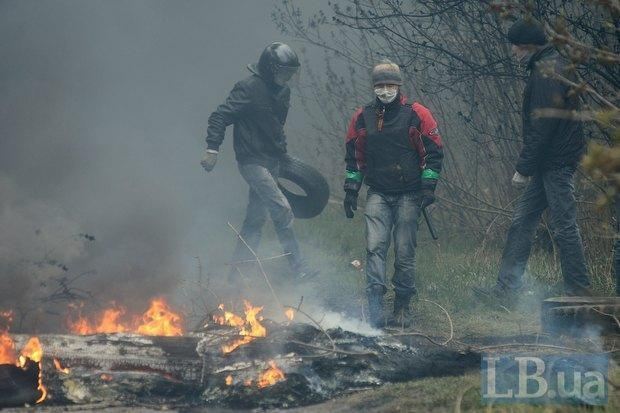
{"x":236,"y":361}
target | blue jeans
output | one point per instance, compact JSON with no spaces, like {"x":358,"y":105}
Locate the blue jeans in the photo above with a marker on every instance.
{"x":554,"y":190}
{"x":266,"y":199}
{"x":390,"y":215}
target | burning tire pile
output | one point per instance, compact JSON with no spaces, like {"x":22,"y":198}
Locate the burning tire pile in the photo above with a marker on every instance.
{"x":238,"y":361}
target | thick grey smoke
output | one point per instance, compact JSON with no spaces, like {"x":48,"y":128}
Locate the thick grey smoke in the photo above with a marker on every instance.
{"x":103,"y":110}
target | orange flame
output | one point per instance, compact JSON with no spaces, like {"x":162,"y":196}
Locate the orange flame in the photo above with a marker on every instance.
{"x":229,"y":380}
{"x":108,"y":322}
{"x":158,"y":320}
{"x":106,"y":377}
{"x":249,"y":329}
{"x":270,"y":376}
{"x":7,"y":345}
{"x":7,"y":348}
{"x":34,"y":351}
{"x":289,"y":313}
{"x":59,"y":367}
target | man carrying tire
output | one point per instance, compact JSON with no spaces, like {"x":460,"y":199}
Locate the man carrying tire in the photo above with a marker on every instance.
{"x":395,"y":148}
{"x":257,"y":107}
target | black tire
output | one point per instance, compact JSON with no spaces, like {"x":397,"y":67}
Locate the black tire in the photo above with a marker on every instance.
{"x":312,"y":183}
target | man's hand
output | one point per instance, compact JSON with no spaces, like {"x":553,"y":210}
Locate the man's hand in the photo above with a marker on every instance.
{"x":209,"y":159}
{"x":519,"y":181}
{"x":428,"y":197}
{"x":350,"y":203}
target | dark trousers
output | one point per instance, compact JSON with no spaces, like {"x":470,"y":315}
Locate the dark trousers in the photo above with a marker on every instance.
{"x":617,"y":246}
{"x":390,"y":215}
{"x":554,"y":190}
{"x":266,"y":200}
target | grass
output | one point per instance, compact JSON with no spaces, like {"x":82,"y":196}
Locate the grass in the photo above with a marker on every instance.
{"x":446,"y":272}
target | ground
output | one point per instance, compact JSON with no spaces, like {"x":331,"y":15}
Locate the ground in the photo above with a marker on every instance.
{"x":447,"y":270}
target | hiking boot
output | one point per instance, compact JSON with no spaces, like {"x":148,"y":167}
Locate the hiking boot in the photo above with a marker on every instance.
{"x":497,"y":295}
{"x":375,"y":306}
{"x":402,"y":317}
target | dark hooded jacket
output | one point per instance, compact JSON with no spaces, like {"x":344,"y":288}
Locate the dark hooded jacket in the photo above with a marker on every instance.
{"x":549,"y":142}
{"x":258,"y":110}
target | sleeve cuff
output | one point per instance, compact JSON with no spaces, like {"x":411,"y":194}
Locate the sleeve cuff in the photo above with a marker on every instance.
{"x":430,"y":174}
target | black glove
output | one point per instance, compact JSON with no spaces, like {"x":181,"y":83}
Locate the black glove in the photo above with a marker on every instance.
{"x":427,"y":198}
{"x":350,"y":203}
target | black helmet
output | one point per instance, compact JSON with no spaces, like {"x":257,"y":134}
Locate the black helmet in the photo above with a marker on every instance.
{"x":277,"y":64}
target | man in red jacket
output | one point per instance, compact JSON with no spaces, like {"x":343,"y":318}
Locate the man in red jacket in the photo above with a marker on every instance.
{"x":395,"y":148}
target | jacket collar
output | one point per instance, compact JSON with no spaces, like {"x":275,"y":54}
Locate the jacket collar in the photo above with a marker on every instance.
{"x":539,"y":55}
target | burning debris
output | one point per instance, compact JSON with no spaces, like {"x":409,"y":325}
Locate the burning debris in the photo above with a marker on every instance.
{"x":21,"y":377}
{"x":239,"y":361}
{"x":157,"y":320}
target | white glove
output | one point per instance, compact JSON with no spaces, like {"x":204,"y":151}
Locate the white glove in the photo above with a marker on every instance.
{"x":519,"y":181}
{"x":209,"y":159}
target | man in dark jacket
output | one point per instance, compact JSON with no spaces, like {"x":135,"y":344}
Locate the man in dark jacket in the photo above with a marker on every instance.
{"x":395,"y":148}
{"x":553,"y":144}
{"x":257,"y":107}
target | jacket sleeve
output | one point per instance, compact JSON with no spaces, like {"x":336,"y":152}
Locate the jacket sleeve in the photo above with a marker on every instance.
{"x":546,"y":93}
{"x":431,"y":147}
{"x":236,"y":104}
{"x":355,"y":144}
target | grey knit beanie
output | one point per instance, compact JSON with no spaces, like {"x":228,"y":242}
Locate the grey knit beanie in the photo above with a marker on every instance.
{"x":386,"y":72}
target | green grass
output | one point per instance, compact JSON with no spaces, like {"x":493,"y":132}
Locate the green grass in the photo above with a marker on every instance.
{"x":446,"y":272}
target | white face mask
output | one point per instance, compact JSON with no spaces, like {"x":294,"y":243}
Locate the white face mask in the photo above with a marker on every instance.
{"x":386,"y":93}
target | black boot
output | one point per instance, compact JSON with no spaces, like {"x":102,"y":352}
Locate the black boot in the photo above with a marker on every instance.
{"x":402,"y":317}
{"x":375,"y":306}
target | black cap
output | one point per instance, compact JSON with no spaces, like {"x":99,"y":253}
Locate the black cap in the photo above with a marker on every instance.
{"x":527,"y":31}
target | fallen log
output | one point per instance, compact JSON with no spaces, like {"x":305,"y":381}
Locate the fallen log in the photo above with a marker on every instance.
{"x":293,"y":365}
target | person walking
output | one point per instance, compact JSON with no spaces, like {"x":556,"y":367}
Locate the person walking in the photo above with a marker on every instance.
{"x":258,"y":106}
{"x":394,"y":147}
{"x":553,"y":145}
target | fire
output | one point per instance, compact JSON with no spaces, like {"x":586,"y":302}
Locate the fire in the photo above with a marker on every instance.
{"x":249,"y":329}
{"x":7,"y":346}
{"x":229,"y":380}
{"x":106,"y":377}
{"x":158,"y":320}
{"x":270,"y":376}
{"x":289,"y":313}
{"x":59,"y":367}
{"x":34,"y":351}
{"x":108,"y":322}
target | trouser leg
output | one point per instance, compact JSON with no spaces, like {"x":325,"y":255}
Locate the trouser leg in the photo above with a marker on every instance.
{"x":617,"y":246}
{"x":265,"y":185}
{"x":563,"y":209}
{"x":406,"y":213}
{"x":525,"y":219}
{"x":378,"y":216}
{"x":255,"y":218}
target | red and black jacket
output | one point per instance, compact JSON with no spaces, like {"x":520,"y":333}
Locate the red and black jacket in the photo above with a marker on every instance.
{"x":393,"y":148}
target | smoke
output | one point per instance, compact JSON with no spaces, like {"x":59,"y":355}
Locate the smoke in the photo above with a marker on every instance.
{"x":103,"y":110}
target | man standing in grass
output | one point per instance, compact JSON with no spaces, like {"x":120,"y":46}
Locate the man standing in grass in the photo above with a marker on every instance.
{"x":552,"y":148}
{"x":395,"y":148}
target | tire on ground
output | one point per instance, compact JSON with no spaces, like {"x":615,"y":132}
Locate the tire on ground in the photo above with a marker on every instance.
{"x":310,"y":180}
